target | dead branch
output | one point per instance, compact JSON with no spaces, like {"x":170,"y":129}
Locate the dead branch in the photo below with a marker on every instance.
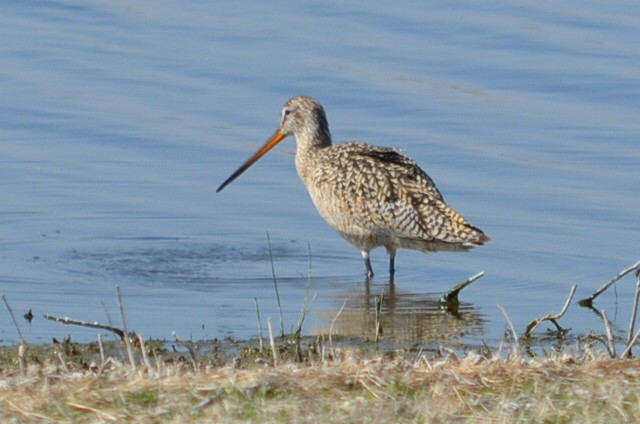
{"x":69,"y":321}
{"x":189,"y":346}
{"x":588,"y":302}
{"x":634,"y":312}
{"x":451,"y":297}
{"x":551,"y":316}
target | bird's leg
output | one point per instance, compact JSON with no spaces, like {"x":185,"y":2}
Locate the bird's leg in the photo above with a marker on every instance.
{"x":367,"y":263}
{"x":392,"y":260}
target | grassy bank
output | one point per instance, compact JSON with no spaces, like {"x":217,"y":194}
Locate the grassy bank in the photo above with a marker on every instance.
{"x":350,"y":385}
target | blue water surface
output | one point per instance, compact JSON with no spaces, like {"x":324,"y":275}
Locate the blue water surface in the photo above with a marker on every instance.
{"x":118,"y":120}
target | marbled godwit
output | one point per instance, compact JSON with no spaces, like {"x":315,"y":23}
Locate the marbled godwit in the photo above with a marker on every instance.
{"x":372,"y":196}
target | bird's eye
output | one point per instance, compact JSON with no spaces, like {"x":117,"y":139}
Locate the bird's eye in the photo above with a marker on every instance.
{"x":286,"y":112}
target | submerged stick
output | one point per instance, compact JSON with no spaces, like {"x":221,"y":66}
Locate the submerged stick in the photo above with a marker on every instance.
{"x":451,"y":297}
{"x":69,"y":321}
{"x":588,"y":302}
{"x":551,"y":316}
{"x":378,"y":317}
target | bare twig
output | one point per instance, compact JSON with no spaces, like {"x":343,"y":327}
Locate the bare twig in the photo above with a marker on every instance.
{"x":189,"y":346}
{"x":272,"y":341}
{"x":275,"y":284}
{"x":127,"y":342}
{"x":611,"y":347}
{"x":627,"y":350}
{"x":145,"y":357}
{"x":552,"y":316}
{"x":71,"y":321}
{"x":634,"y":310}
{"x":106,"y":312}
{"x":13,"y":317}
{"x":331,"y":327}
{"x":452,"y":295}
{"x":513,"y":331}
{"x":589,"y":300}
{"x":100,"y":345}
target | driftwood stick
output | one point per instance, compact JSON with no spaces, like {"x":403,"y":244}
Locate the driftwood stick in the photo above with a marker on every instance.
{"x":589,"y":300}
{"x":452,"y":295}
{"x":551,"y":316}
{"x":70,"y":321}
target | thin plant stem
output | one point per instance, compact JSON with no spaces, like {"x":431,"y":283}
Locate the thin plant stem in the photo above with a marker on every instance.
{"x":127,"y":342}
{"x":512,"y":329}
{"x":305,"y":304}
{"x":259,"y":323}
{"x":275,"y":284}
{"x":331,"y":328}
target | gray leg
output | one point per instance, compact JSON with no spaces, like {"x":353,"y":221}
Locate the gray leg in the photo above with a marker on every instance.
{"x":392,"y":266}
{"x":367,"y":264}
{"x":392,"y":260}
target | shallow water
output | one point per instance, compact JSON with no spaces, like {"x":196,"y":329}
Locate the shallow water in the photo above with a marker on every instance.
{"x":118,"y":120}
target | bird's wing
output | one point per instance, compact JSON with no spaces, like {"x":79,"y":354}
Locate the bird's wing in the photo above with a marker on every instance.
{"x":386,"y":192}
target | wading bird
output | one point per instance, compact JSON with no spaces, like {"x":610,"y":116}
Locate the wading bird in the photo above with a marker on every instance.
{"x":372,"y":196}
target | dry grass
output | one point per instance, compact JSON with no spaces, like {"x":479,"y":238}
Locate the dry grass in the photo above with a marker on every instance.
{"x":353,"y":387}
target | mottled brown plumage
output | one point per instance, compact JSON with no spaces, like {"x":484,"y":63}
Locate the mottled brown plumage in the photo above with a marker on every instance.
{"x":372,"y":196}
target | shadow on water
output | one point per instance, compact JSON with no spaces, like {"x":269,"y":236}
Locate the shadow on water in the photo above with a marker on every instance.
{"x":404,"y":316}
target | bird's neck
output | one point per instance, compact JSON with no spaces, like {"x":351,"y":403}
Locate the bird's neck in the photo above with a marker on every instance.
{"x":308,"y":147}
{"x":310,"y":140}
